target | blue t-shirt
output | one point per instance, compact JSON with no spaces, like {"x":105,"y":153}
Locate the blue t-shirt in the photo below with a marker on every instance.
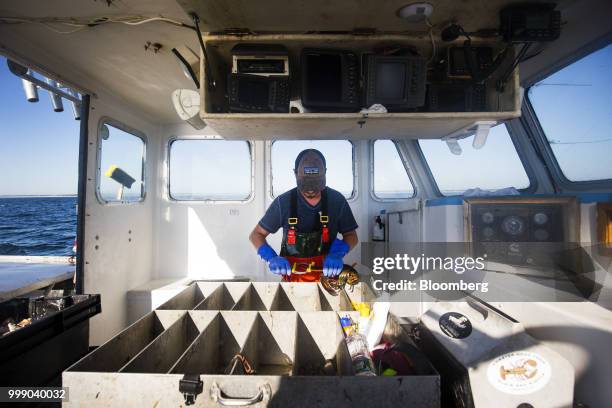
{"x":341,"y":219}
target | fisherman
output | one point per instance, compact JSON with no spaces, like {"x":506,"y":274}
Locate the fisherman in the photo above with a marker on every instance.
{"x":311,"y":216}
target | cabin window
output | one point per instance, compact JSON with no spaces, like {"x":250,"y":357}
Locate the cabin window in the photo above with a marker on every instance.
{"x":494,"y":166}
{"x":338,"y":156}
{"x":573,"y":107}
{"x":210,"y":169}
{"x":121,"y":172}
{"x":391,"y":179}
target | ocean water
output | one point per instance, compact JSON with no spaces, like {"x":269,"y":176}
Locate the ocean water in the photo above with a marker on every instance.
{"x":37,"y":225}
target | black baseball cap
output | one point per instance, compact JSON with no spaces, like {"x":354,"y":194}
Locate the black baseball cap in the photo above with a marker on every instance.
{"x":310,"y":170}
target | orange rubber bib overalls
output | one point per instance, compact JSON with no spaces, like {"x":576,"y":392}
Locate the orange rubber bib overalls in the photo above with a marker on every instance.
{"x":305,"y":251}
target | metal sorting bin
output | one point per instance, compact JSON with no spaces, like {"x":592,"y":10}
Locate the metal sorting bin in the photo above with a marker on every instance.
{"x":260,"y":296}
{"x":58,"y":336}
{"x":289,"y":333}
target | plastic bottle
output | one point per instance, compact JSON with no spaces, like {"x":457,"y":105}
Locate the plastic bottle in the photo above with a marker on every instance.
{"x":378,"y":229}
{"x":347,"y":325}
{"x":360,"y":356}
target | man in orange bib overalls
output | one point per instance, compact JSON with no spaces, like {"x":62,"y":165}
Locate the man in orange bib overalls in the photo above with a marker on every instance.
{"x":311,"y":215}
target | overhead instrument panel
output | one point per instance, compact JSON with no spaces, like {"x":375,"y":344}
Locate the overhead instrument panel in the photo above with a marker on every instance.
{"x":420,"y":72}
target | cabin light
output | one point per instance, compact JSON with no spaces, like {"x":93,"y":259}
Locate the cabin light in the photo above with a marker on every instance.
{"x":31,"y":90}
{"x":187,"y":105}
{"x":415,"y":12}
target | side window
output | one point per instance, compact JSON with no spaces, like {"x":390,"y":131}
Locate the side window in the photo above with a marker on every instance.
{"x":494,"y":166}
{"x":121,"y":174}
{"x":338,"y":156}
{"x":391,"y":180}
{"x":574,"y":107}
{"x":210,"y":169}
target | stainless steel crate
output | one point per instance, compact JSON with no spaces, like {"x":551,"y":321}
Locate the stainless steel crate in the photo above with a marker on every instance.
{"x":261,"y":296}
{"x":289,"y":333}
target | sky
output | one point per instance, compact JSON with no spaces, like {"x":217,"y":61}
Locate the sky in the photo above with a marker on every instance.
{"x":574,"y":107}
{"x":39,"y":148}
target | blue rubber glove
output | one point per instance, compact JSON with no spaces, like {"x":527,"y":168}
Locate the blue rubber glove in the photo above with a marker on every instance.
{"x":266,"y":252}
{"x":333,"y":263}
{"x":277,"y":264}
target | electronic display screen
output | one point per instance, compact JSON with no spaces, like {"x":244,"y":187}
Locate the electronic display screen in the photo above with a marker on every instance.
{"x":261,"y":66}
{"x":457,"y":60}
{"x":324,"y":78}
{"x":253,"y":92}
{"x":390,"y":81}
{"x":537,"y":21}
{"x":452,"y":98}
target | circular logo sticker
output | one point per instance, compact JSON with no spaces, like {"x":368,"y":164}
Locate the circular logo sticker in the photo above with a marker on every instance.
{"x":455,"y":325}
{"x":519,"y":372}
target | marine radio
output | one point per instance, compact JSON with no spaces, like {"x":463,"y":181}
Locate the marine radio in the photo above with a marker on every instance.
{"x":260,"y":59}
{"x":463,"y":60}
{"x":254,"y":93}
{"x":259,"y":81}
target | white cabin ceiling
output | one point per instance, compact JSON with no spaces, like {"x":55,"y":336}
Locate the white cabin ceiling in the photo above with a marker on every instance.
{"x":111,"y":59}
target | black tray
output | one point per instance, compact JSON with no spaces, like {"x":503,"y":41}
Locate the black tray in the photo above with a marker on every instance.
{"x":51,"y":317}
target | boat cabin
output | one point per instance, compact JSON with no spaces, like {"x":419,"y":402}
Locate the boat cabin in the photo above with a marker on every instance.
{"x":455,"y":129}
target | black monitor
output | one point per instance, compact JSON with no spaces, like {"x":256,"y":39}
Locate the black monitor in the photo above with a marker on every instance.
{"x":456,"y":97}
{"x":396,"y":82}
{"x":256,"y":93}
{"x":330,"y":79}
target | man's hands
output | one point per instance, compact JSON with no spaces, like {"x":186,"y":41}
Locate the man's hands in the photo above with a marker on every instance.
{"x":333,"y":263}
{"x":277,"y":264}
{"x":332,"y":266}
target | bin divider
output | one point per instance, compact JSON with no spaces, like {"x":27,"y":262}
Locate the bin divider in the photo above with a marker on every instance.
{"x":270,"y":345}
{"x":161,"y":354}
{"x":217,"y":299}
{"x":281,"y":301}
{"x":331,"y":302}
{"x":250,"y":300}
{"x":187,"y":299}
{"x":201,"y":357}
{"x":321,"y":348}
{"x":302,"y":296}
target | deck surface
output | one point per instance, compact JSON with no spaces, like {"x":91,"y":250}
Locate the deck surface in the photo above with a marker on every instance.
{"x":20,"y":275}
